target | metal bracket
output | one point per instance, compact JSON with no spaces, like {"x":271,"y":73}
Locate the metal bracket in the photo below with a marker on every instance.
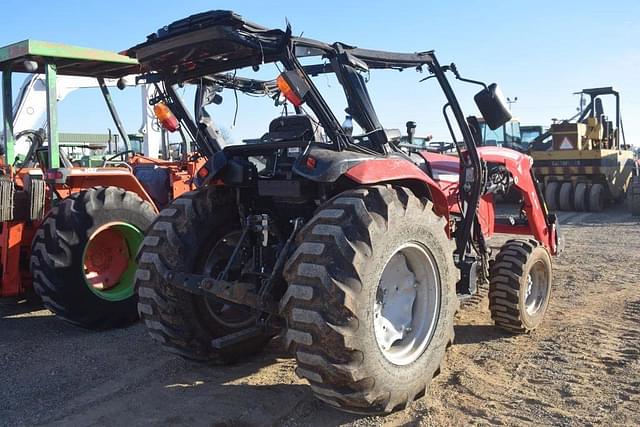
{"x":236,"y":292}
{"x":467,"y":285}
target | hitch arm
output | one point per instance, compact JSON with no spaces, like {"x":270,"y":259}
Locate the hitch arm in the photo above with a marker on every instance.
{"x":237,"y":292}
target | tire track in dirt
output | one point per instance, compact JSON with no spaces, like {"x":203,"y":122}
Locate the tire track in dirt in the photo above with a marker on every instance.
{"x":580,"y":367}
{"x":586,"y":362}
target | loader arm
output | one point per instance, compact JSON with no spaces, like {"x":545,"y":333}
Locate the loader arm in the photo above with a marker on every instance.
{"x":539,"y":223}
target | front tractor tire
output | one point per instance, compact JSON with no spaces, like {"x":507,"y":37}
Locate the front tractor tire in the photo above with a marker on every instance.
{"x":371,"y":299}
{"x":196,"y":233}
{"x":520,"y":286}
{"x":83,"y":257}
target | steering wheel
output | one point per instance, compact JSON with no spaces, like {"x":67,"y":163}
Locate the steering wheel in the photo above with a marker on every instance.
{"x":120,"y":154}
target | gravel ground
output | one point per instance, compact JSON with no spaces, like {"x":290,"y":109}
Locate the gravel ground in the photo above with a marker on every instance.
{"x":580,"y":368}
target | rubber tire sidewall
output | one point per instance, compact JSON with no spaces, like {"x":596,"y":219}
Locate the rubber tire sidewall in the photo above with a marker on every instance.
{"x":596,"y":198}
{"x":551,"y":195}
{"x":580,"y":197}
{"x":566,"y":197}
{"x":400,"y":384}
{"x":384,"y":247}
{"x":539,"y":254}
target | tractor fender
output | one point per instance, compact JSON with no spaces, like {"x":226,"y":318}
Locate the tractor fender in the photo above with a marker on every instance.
{"x":78,"y":179}
{"x":389,"y":170}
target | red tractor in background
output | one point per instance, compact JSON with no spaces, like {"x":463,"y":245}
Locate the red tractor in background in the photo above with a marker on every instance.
{"x":67,"y":231}
{"x":354,"y":247}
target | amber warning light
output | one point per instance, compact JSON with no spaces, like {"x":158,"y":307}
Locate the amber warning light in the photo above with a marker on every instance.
{"x":292,"y":87}
{"x":166,"y":117}
{"x":287,"y":92}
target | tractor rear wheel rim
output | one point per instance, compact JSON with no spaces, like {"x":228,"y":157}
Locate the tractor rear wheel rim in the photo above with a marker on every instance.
{"x":407,"y":304}
{"x":537,"y":288}
{"x":109,"y":260}
{"x":231,"y":315}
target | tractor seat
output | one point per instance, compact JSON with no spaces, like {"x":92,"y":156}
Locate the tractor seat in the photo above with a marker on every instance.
{"x":295,"y":127}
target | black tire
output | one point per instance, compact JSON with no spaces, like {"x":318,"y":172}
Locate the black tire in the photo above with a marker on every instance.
{"x":580,"y":197}
{"x":633,"y":197}
{"x":333,"y":276}
{"x":508,"y":298}
{"x":180,"y":239}
{"x":566,"y":196}
{"x":596,"y":198}
{"x":551,"y":195}
{"x":57,"y":257}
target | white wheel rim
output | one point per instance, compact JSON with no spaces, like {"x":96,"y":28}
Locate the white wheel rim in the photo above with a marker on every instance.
{"x":407,"y":304}
{"x":537,"y":288}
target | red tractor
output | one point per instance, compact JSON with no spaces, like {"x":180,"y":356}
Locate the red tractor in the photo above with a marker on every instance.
{"x":354,"y":247}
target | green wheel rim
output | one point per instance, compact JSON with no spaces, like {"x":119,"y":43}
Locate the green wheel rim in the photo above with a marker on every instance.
{"x":122,"y":275}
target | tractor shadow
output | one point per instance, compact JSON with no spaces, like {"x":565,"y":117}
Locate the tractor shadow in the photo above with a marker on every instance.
{"x":476,"y":334}
{"x":162,"y":389}
{"x":122,"y":377}
{"x":18,"y":306}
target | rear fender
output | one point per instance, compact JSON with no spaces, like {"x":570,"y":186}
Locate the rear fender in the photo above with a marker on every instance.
{"x":74,"y":180}
{"x":379,"y":171}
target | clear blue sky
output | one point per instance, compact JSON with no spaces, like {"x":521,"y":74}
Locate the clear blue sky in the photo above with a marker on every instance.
{"x":540,"y":51}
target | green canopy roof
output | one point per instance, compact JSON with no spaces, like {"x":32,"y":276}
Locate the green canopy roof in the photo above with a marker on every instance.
{"x":70,"y":60}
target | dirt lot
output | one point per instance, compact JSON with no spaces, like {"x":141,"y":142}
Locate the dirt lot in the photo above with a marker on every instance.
{"x":580,"y":368}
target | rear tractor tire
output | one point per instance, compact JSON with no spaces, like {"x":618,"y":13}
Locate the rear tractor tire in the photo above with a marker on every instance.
{"x":83,"y":257}
{"x":371,"y":299}
{"x":196,"y":233}
{"x":551,"y":195}
{"x":566,"y":196}
{"x":596,"y":198}
{"x":520,"y":286}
